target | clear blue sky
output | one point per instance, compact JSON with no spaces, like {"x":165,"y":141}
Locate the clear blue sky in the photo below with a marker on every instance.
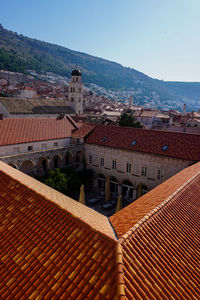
{"x":161,"y":38}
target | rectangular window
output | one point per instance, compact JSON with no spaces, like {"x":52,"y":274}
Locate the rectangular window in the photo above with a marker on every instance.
{"x":90,"y":159}
{"x":144,"y":171}
{"x":72,"y":99}
{"x":102,"y":161}
{"x":79,"y":90}
{"x":160,"y":174}
{"x":114,"y":164}
{"x":30,"y":148}
{"x":16,"y":149}
{"x":44,"y":146}
{"x":128,"y":168}
{"x":77,"y":141}
{"x":55,"y":144}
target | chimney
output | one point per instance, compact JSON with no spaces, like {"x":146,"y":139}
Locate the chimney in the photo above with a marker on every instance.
{"x":60,"y":116}
{"x":1,"y":116}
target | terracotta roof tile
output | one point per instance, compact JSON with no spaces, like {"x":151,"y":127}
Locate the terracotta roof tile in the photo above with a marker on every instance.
{"x":15,"y":131}
{"x":46,"y":251}
{"x":84,"y":130}
{"x":180,"y":145}
{"x":55,"y":248}
{"x":161,"y":256}
{"x":35,"y":106}
{"x":126,"y":218}
{"x":94,"y":219}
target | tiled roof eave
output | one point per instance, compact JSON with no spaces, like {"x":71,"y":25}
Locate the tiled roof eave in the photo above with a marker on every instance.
{"x":38,"y":140}
{"x":136,"y":227}
{"x":84,"y":214}
{"x":142,"y":151}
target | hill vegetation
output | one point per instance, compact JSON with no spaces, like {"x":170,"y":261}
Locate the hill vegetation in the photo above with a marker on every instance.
{"x":20,"y":54}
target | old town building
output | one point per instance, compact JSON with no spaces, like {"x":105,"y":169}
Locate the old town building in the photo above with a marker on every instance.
{"x":133,"y":160}
{"x":137,"y":160}
{"x":35,"y":145}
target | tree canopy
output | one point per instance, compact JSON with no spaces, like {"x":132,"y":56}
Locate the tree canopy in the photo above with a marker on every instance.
{"x":129,"y":121}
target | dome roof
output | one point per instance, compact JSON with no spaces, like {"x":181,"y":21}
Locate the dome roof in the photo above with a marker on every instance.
{"x":76,"y":72}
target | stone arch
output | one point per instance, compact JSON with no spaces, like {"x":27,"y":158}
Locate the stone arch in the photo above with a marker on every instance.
{"x":141,"y":189}
{"x":68,"y":158}
{"x":56,"y":162}
{"x":13,"y":165}
{"x":27,"y":167}
{"x":101,"y":180}
{"x":42,"y":165}
{"x":113,"y":185}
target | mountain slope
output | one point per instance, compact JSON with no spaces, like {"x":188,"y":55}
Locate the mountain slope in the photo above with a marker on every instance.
{"x":19,"y":53}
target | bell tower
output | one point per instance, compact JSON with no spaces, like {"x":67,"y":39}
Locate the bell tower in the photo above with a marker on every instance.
{"x":76,"y":92}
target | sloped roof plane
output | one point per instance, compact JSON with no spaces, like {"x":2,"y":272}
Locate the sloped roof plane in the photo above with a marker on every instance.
{"x":181,"y":145}
{"x":24,"y":130}
{"x":52,"y":247}
{"x":35,"y":106}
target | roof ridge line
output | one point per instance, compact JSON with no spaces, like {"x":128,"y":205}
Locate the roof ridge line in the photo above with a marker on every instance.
{"x":69,"y":118}
{"x":39,"y":188}
{"x":156,"y":209}
{"x":120,"y":273}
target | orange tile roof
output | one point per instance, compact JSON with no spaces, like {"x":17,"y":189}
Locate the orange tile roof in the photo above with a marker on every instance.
{"x":24,"y":130}
{"x":180,"y":145}
{"x":47,"y":252}
{"x":123,"y":220}
{"x":96,"y":220}
{"x":84,"y":130}
{"x":161,"y":253}
{"x":53,"y":247}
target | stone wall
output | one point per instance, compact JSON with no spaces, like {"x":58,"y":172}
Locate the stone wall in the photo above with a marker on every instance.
{"x":38,"y":162}
{"x":168,"y":166}
{"x":36,"y":146}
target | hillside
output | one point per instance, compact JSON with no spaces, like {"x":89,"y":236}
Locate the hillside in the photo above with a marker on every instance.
{"x":19,"y":54}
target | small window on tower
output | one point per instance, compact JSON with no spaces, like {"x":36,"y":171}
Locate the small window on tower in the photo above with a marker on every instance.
{"x":72,"y":99}
{"x":79,"y":90}
{"x":76,"y":78}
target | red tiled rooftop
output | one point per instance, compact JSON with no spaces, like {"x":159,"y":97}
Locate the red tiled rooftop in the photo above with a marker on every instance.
{"x":84,"y":130}
{"x":126,"y":218}
{"x":16,"y":130}
{"x":52,"y":247}
{"x":161,"y":253}
{"x":47,"y":252}
{"x":180,"y":145}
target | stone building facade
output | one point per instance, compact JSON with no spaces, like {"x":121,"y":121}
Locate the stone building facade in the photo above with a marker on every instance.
{"x":76,"y":92}
{"x":35,"y":145}
{"x":37,"y":162}
{"x":137,"y":160}
{"x":131,"y":174}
